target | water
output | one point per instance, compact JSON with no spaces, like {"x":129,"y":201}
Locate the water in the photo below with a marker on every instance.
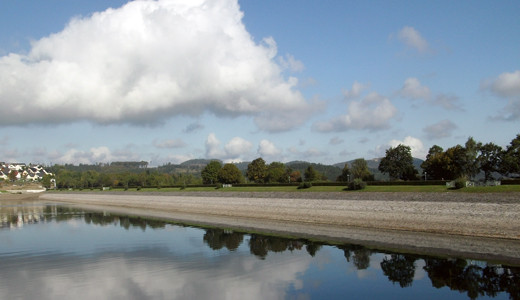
{"x":60,"y":252}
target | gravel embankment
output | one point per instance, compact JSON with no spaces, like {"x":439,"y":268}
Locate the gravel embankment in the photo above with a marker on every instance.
{"x":477,"y":215}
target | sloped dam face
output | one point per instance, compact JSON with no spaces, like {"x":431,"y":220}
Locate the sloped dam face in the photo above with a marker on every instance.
{"x":52,"y":251}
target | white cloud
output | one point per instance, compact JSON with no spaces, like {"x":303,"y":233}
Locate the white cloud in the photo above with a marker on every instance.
{"x":149,"y":61}
{"x":415,"y":144}
{"x":94,"y":155}
{"x":292,"y":64}
{"x":336,"y":141}
{"x":507,"y":85}
{"x":373,"y":113}
{"x":355,"y":91}
{"x":169,"y":144}
{"x":412,"y":89}
{"x":235,"y":150}
{"x":313,"y":152}
{"x":268,"y":148}
{"x":413,"y":39}
{"x":440,"y":129}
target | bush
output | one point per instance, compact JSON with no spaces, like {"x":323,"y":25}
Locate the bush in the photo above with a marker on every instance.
{"x":460,"y":183}
{"x":183,"y":187}
{"x":218,"y":185}
{"x":158,"y":186}
{"x":304,"y":185}
{"x":357,"y":184}
{"x":139,"y":188}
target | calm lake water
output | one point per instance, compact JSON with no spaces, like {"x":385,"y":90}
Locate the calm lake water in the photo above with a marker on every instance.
{"x":58,"y":252}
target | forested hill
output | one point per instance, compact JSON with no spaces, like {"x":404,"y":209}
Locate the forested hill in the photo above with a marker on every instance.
{"x":331,"y":172}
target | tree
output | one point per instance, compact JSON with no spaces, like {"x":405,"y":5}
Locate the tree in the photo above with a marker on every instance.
{"x":470,"y":166}
{"x":90,"y":177}
{"x":436,"y":165}
{"x":359,"y":169}
{"x":12,"y":175}
{"x":489,"y":159}
{"x":345,"y":174}
{"x":511,"y":158}
{"x":398,"y":163}
{"x":210,"y":172}
{"x":230,"y":174}
{"x":257,"y":170}
{"x":310,"y":174}
{"x":296,"y":176}
{"x":276,"y":172}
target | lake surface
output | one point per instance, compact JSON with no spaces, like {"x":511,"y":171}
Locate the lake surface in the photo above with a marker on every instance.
{"x":50,"y":251}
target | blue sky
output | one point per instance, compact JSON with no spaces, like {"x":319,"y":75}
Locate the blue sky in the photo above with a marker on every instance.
{"x":322,"y":81}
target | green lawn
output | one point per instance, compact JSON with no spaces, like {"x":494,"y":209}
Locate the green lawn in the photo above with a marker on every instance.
{"x":419,"y":189}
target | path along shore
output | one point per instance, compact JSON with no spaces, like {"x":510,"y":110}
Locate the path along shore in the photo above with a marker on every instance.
{"x":478,"y":215}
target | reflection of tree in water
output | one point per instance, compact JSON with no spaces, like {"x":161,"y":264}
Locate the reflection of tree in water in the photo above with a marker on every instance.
{"x":359,"y":255}
{"x":474,"y":279}
{"x":217,"y":239}
{"x":124,"y":221}
{"x":260,"y":245}
{"x":399,"y":269}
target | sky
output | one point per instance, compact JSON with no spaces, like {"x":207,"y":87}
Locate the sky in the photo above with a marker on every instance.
{"x":322,"y":81}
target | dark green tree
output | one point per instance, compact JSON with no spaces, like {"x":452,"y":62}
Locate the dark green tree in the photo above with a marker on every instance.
{"x":310,"y":174}
{"x":436,"y":165}
{"x":489,"y":159}
{"x":230,"y":174}
{"x":511,"y":158}
{"x":345,"y":174}
{"x":359,"y":169}
{"x":276,"y":172}
{"x":257,"y":170}
{"x":471,"y":165}
{"x":398,"y":163}
{"x":210,"y":172}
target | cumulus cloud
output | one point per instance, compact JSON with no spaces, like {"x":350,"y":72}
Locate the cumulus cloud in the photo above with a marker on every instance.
{"x":415,"y":144}
{"x":269,"y":149}
{"x":507,"y":85}
{"x":373,"y":113}
{"x":413,"y":39}
{"x":355,"y":91}
{"x":413,"y":90}
{"x":440,"y":129}
{"x":193,"y":127}
{"x":336,"y":141}
{"x":148,"y":61}
{"x":92,"y":156}
{"x":169,"y":144}
{"x":292,"y":64}
{"x":235,"y":150}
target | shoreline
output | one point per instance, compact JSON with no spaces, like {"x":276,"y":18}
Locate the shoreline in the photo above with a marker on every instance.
{"x":470,"y":215}
{"x":490,"y":230}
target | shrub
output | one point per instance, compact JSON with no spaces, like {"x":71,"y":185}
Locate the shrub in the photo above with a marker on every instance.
{"x":357,"y":184}
{"x":139,"y":188}
{"x":304,"y":185}
{"x":218,"y":185}
{"x":460,"y":183}
{"x":158,"y":186}
{"x":183,"y":187}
